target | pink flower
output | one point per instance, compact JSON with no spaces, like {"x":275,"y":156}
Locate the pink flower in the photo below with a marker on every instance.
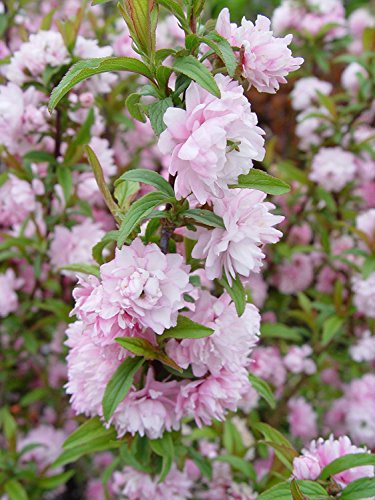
{"x":17,"y":201}
{"x":364,"y":294}
{"x":45,"y":48}
{"x":364,"y":349}
{"x":302,"y":419}
{"x":149,"y":411}
{"x":266,"y":60}
{"x":321,"y":453}
{"x":296,"y":360}
{"x":49,"y":441}
{"x":140,"y":286}
{"x":237,"y":248}
{"x":8,"y":296}
{"x":258,"y":287}
{"x":305,"y":92}
{"x":74,"y":246}
{"x":212,"y":142}
{"x":228,"y":347}
{"x":366,"y":223}
{"x":267,"y":363}
{"x":358,"y":21}
{"x":210,"y":398}
{"x":350,"y":78}
{"x":90,"y":368}
{"x":360,"y":413}
{"x":333,"y":168}
{"x":296,"y":275}
{"x":135,"y":485}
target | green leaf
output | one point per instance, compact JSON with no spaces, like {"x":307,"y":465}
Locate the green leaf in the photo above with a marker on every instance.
{"x":39,"y":157}
{"x":205,"y":217}
{"x":148,"y":177}
{"x":328,"y":102}
{"x":222,"y":48}
{"x":142,"y":347}
{"x":283,"y":448}
{"x":89,"y":67}
{"x":236,"y":292}
{"x":52,"y":482}
{"x":138,"y":211}
{"x":257,"y":179}
{"x":187,"y":329}
{"x":15,"y":490}
{"x":359,"y":489}
{"x":100,"y":2}
{"x":64,"y":176}
{"x":203,"y":464}
{"x":279,"y":331}
{"x":282,"y":491}
{"x":156,"y":112}
{"x":263,"y":389}
{"x":347,"y":462}
{"x":119,"y":385}
{"x":141,"y":18}
{"x":189,"y":66}
{"x":82,"y":268}
{"x":124,"y":193}
{"x":132,"y":103}
{"x":239,"y":464}
{"x":331,"y":326}
{"x":164,"y":448}
{"x":177,"y":11}
{"x":295,"y":490}
{"x":97,"y":251}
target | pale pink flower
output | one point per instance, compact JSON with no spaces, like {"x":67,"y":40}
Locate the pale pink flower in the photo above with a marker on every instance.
{"x":49,"y":441}
{"x":364,"y":294}
{"x":267,"y":364}
{"x":213,"y":141}
{"x":237,"y":248}
{"x":333,"y":168}
{"x":45,"y":48}
{"x":74,"y":246}
{"x":265,"y":59}
{"x":17,"y":201}
{"x":305,"y":92}
{"x":358,"y":21}
{"x":210,"y":398}
{"x":22,"y":118}
{"x":9,"y":283}
{"x":90,"y":368}
{"x":296,"y":360}
{"x":360,"y":415}
{"x":300,"y":235}
{"x":364,"y":348}
{"x":149,"y":411}
{"x":366,"y":223}
{"x":169,"y":33}
{"x":228,"y":347}
{"x":135,"y":485}
{"x":325,"y":452}
{"x":223,"y":486}
{"x":350,"y":78}
{"x":296,"y":275}
{"x":258,"y":288}
{"x":302,"y":419}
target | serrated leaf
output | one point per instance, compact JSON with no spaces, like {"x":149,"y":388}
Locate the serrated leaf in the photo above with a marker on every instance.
{"x":138,"y":211}
{"x":359,"y":489}
{"x":82,"y":268}
{"x":156,"y":112}
{"x":205,"y":217}
{"x":89,"y":67}
{"x":347,"y":462}
{"x":257,"y":179}
{"x":187,"y":329}
{"x":236,"y":292}
{"x":330,"y":328}
{"x":191,"y":67}
{"x":282,"y":491}
{"x":164,"y":448}
{"x":148,"y":177}
{"x":132,"y":103}
{"x":119,"y":385}
{"x":263,"y":389}
{"x":222,"y":48}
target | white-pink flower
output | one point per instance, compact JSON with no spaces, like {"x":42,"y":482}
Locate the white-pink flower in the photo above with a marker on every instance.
{"x":364,"y":294}
{"x":333,"y":168}
{"x":321,"y":453}
{"x":150,"y":410}
{"x":305,"y":92}
{"x":17,"y":201}
{"x":74,"y":246}
{"x":228,"y":347}
{"x":9,"y":283}
{"x":302,"y":419}
{"x":364,"y":348}
{"x":297,"y":360}
{"x":237,"y":248}
{"x":212,"y":142}
{"x":265,"y":59}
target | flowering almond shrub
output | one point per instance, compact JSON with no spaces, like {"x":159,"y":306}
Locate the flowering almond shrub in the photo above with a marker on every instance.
{"x":187,"y":251}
